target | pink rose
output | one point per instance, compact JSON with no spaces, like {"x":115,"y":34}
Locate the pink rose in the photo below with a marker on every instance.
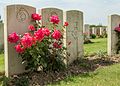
{"x":39,"y":35}
{"x":26,"y":40}
{"x":19,"y":49}
{"x":66,"y":24}
{"x":31,"y":27}
{"x":54,"y":19}
{"x":56,"y":34}
{"x":36,"y":17}
{"x":46,"y":31}
{"x":117,"y":28}
{"x":13,"y":37}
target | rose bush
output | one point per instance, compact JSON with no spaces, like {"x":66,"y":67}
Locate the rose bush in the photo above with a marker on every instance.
{"x":41,"y":48}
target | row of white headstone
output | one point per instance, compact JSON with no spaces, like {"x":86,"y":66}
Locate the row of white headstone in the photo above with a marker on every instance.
{"x":94,"y":30}
{"x":18,"y":17}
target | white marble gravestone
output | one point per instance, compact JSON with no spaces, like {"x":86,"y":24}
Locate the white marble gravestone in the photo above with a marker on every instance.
{"x":101,"y":30}
{"x":114,"y":21}
{"x":47,"y":12}
{"x":94,"y":30}
{"x":17,"y":19}
{"x":74,"y":34}
{"x":97,"y":31}
{"x":86,"y":30}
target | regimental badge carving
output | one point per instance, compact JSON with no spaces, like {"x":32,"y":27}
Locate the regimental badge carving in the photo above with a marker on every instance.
{"x":22,"y":15}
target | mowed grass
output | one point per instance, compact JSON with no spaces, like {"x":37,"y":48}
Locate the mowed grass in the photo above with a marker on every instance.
{"x":106,"y":76}
{"x":1,"y":62}
{"x":99,"y":45}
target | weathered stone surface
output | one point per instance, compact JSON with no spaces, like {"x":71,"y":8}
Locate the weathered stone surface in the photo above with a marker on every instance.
{"x":94,"y":30}
{"x":18,"y":17}
{"x":74,"y":34}
{"x":98,"y":31}
{"x":86,"y":30}
{"x":114,"y":21}
{"x":47,"y":12}
{"x":103,"y":30}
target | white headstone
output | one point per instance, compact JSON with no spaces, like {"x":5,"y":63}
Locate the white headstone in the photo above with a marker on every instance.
{"x":86,"y":30}
{"x":101,"y":30}
{"x":74,"y":34}
{"x":94,"y":31}
{"x":47,"y":12}
{"x":17,"y":19}
{"x":114,"y":21}
{"x":97,"y":31}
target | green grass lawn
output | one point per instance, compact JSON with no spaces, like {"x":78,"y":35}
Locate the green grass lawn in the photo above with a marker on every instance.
{"x":99,"y":45}
{"x":107,"y":76}
{"x":1,"y":62}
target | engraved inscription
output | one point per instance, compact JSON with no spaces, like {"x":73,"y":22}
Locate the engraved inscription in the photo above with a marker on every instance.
{"x":22,"y":15}
{"x":76,"y":26}
{"x":74,"y":31}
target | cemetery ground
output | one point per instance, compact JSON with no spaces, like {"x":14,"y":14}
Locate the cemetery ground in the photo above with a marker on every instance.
{"x":93,"y":71}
